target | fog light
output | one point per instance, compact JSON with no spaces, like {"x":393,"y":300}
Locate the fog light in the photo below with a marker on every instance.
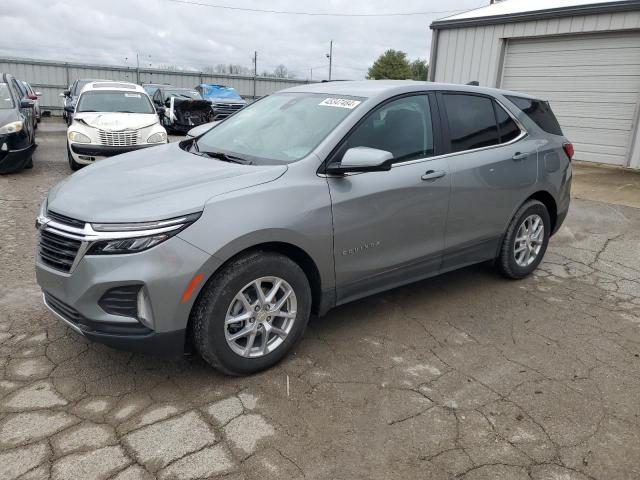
{"x":145,"y":314}
{"x":4,"y":147}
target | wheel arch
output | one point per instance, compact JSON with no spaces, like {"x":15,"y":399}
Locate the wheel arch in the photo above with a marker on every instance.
{"x":550,"y":203}
{"x":321,"y":301}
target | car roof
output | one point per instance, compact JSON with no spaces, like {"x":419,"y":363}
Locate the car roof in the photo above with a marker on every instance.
{"x":389,"y":88}
{"x":113,"y":85}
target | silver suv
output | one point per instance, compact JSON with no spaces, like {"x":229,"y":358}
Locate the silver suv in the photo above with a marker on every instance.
{"x":307,"y":199}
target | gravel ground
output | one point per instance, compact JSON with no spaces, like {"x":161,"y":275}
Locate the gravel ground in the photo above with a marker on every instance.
{"x":463,"y":376}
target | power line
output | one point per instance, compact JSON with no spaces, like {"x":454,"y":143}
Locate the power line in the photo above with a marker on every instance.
{"x":313,"y":14}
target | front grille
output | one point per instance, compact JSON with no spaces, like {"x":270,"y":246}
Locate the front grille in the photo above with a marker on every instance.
{"x":121,"y":301}
{"x":72,"y":222}
{"x":57,"y":251}
{"x":222,"y":110}
{"x":65,"y":311}
{"x":123,"y":138}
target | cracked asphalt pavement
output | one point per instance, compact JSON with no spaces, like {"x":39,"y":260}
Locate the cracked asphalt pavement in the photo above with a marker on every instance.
{"x":467,"y":375}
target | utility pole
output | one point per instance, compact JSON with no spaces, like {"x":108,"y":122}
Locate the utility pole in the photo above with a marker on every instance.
{"x":137,"y":68}
{"x":330,"y":57}
{"x":255,"y":72}
{"x":311,"y":74}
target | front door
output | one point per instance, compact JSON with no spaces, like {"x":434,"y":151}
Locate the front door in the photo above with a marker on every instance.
{"x":389,"y":226}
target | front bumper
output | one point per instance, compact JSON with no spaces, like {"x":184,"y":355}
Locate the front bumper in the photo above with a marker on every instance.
{"x":15,"y":160}
{"x":90,"y":150}
{"x":163,"y":271}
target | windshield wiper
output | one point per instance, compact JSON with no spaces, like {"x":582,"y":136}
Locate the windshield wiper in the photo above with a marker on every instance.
{"x":226,"y":157}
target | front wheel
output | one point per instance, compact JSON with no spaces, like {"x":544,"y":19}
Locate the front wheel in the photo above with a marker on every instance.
{"x":525,"y":241}
{"x":251,"y":313}
{"x":73,"y":165}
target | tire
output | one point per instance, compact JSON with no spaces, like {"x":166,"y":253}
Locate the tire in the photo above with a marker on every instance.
{"x":217,"y":299}
{"x":73,"y":165}
{"x":516,"y":265}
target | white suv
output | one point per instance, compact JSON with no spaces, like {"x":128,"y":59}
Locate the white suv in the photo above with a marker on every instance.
{"x":111,"y":118}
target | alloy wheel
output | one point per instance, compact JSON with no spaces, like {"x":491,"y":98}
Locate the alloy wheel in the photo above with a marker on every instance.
{"x":528,"y":242}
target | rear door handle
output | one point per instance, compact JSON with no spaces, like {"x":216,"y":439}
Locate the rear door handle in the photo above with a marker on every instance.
{"x":519,"y":156}
{"x":433,"y":175}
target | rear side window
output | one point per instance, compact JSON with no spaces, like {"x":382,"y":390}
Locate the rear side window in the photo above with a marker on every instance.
{"x":540,"y":112}
{"x":472,"y":122}
{"x":506,"y":125}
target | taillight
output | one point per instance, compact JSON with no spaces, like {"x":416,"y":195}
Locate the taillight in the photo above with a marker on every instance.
{"x":568,"y":149}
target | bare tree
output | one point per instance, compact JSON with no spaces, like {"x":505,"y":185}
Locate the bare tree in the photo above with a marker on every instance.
{"x":281,"y":71}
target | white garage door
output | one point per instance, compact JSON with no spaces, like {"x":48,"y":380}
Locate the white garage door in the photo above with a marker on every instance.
{"x":592,"y":83}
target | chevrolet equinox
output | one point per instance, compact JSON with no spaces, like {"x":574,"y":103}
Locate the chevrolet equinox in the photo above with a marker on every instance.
{"x":306,"y":199}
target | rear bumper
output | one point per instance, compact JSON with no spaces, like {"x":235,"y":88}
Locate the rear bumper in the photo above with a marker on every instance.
{"x":15,"y":160}
{"x":106,"y":150}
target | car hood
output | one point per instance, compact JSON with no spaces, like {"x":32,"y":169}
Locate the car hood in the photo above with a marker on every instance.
{"x":152,"y":184}
{"x":114,"y":122}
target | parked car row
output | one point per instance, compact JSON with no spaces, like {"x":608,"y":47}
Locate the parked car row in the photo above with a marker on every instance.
{"x":18,"y":122}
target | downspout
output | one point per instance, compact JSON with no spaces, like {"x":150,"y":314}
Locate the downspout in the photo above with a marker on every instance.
{"x":433,"y":55}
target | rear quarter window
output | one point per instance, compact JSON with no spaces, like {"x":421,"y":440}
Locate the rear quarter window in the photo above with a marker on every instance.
{"x":540,"y":112}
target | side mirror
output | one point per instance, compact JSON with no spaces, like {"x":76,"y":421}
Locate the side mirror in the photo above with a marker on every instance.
{"x":32,"y":96}
{"x":363,"y":159}
{"x":66,"y":93}
{"x":69,"y":108}
{"x":26,"y":103}
{"x":160,"y":111}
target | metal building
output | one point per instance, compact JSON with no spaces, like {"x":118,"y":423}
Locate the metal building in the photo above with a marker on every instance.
{"x":581,"y":55}
{"x":51,"y":78}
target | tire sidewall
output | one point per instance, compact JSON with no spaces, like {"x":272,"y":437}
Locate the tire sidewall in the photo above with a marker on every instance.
{"x":535,"y":208}
{"x":232,"y":283}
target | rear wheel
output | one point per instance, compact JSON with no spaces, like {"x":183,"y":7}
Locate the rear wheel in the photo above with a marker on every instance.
{"x":251,"y":313}
{"x":525,"y":241}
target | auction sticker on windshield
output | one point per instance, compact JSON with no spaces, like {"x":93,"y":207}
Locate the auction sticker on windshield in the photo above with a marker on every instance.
{"x":340,"y":102}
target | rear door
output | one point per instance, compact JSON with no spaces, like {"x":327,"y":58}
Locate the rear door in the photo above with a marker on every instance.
{"x":493,"y":163}
{"x":389,"y":226}
{"x":27,"y":112}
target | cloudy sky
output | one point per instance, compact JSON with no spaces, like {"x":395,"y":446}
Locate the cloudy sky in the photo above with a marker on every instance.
{"x":168,"y":32}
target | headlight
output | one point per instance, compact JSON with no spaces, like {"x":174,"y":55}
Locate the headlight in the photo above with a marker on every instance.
{"x":78,"y":137}
{"x":159,"y":137}
{"x":136,"y":237}
{"x":12,"y":127}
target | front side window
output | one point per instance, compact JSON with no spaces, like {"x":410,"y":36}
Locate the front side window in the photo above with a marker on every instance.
{"x":402,"y":127}
{"x":6,"y":102}
{"x":120,"y":102}
{"x":472,"y":122}
{"x":280,"y":128}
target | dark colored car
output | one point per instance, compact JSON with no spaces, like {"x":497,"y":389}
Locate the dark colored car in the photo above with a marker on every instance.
{"x":181,"y":109}
{"x":33,"y":95}
{"x":70,"y":97}
{"x":17,"y":134}
{"x":151,"y":88}
{"x":224,"y":100}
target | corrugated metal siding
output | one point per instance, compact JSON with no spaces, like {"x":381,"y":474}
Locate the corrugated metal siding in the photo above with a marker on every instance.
{"x":466,"y":54}
{"x":477,"y":53}
{"x":51,"y":78}
{"x":592,"y":82}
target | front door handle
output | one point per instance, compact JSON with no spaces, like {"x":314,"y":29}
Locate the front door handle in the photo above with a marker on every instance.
{"x":519,"y":156}
{"x":433,"y":175}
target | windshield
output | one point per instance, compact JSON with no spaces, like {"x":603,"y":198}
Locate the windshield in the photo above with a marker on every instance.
{"x":284,"y":127}
{"x":123,"y":102}
{"x":5,"y":97}
{"x":182,"y":93}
